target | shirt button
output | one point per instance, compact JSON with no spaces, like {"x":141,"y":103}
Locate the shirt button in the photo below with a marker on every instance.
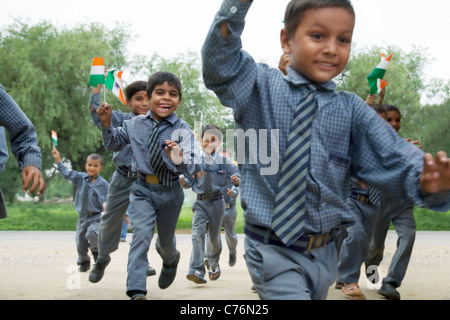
{"x":233,"y":10}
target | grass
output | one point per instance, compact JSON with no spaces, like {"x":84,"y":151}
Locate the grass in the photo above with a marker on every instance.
{"x":62,"y":217}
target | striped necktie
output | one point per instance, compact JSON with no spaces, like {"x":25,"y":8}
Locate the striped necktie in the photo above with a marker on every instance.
{"x":374,"y":197}
{"x":160,"y":170}
{"x":207,"y":184}
{"x":85,"y":198}
{"x":288,"y":222}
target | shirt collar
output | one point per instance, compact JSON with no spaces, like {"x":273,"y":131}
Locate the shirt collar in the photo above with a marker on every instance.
{"x":171,"y":119}
{"x":296,"y":78}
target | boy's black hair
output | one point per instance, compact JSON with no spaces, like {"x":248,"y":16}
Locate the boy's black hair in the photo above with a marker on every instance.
{"x":379,"y":108}
{"x":134,"y":87}
{"x":296,"y":9}
{"x":95,"y":156}
{"x":159,"y":78}
{"x":390,"y":107}
{"x":213,"y":130}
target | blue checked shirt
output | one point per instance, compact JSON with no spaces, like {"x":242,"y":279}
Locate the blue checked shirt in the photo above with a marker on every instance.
{"x":3,"y":149}
{"x":97,"y":194}
{"x":22,"y":135}
{"x":136,"y":132}
{"x":121,"y":157}
{"x":348,"y":137}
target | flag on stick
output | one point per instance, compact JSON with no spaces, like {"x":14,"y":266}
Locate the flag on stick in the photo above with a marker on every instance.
{"x":97,"y":72}
{"x":114,"y":83}
{"x":54,"y":138}
{"x":375,"y":79}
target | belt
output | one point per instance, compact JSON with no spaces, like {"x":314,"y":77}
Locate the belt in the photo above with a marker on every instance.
{"x":126,"y":172}
{"x":90,"y":214}
{"x":150,"y":178}
{"x":360,"y":197}
{"x":227,"y":206}
{"x":303,"y":244}
{"x":217,"y":196}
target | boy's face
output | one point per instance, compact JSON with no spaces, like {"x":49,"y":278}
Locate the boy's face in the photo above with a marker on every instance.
{"x":164,"y":101}
{"x":139,"y":103}
{"x":210,"y":143}
{"x":320,"y":47}
{"x":93,"y":167}
{"x":394,"y":119}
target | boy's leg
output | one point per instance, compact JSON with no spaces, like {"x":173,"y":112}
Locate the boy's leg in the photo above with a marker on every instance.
{"x":199,"y":223}
{"x":116,"y":207}
{"x":92,"y":232}
{"x":229,"y":222}
{"x":215,"y":213}
{"x":166,"y":222}
{"x":279,"y":273}
{"x":405,"y":226}
{"x":142,"y":215}
{"x":82,"y":245}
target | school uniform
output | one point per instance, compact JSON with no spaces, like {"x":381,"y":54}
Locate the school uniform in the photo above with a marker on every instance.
{"x":87,"y":226}
{"x":355,"y":245}
{"x":401,"y":214}
{"x":22,"y":135}
{"x":120,"y":186}
{"x":3,"y":158}
{"x":347,"y":139}
{"x":154,"y":201}
{"x":208,"y":213}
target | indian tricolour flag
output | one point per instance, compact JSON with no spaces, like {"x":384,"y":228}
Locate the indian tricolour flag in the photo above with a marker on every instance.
{"x":54,"y":138}
{"x":114,"y":83}
{"x":375,"y":79}
{"x":97,"y":72}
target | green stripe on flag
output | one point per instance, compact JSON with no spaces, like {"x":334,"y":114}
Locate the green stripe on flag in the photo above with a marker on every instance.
{"x":96,"y":79}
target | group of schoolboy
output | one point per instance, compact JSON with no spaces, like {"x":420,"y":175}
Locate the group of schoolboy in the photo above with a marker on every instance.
{"x":327,"y":141}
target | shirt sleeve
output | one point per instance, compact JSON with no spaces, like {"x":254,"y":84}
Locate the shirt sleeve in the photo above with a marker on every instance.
{"x":22,"y":134}
{"x":227,"y":69}
{"x":71,"y":175}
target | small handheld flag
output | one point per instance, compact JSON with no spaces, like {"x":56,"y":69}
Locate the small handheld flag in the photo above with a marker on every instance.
{"x":97,"y":72}
{"x":114,"y":83}
{"x":375,"y":79}
{"x":54,"y":138}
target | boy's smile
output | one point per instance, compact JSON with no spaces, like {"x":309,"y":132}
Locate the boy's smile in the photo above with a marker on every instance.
{"x":320,"y":47}
{"x":139,"y":103}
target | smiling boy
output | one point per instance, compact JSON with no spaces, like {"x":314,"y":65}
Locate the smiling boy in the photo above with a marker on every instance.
{"x":324,"y":138}
{"x":163,"y":147}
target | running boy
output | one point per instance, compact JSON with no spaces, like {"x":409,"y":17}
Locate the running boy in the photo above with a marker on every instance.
{"x":290,"y":217}
{"x":209,"y":208}
{"x":122,"y":179}
{"x":163,"y":148}
{"x":91,"y":192}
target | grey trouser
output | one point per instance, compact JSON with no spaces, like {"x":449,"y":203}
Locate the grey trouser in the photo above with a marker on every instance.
{"x":150,"y":205}
{"x":116,"y":207}
{"x":279,"y":273}
{"x":207,"y":217}
{"x":400,"y":213}
{"x":229,"y":222}
{"x":355,"y":246}
{"x":86,"y":236}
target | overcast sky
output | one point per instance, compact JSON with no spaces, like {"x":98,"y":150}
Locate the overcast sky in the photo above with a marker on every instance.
{"x":170,"y":27}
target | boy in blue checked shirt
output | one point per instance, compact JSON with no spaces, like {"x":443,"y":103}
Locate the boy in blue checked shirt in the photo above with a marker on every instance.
{"x":290,"y":216}
{"x":209,"y":208}
{"x":122,"y":179}
{"x":91,"y":192}
{"x":163,"y":147}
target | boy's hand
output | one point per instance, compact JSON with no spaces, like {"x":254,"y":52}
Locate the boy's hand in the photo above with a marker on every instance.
{"x":284,"y":63}
{"x":182,"y":181}
{"x":104,"y":112}
{"x":436,"y":173}
{"x":235,"y":179}
{"x":173,"y":151}
{"x":56,"y":156}
{"x":371,"y":98}
{"x":230,"y":193}
{"x":416,"y":142}
{"x":33,"y":174}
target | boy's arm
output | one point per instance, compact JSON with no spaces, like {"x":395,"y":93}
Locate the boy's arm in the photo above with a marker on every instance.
{"x":117,"y":118}
{"x":228,"y":70}
{"x":113,"y":138}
